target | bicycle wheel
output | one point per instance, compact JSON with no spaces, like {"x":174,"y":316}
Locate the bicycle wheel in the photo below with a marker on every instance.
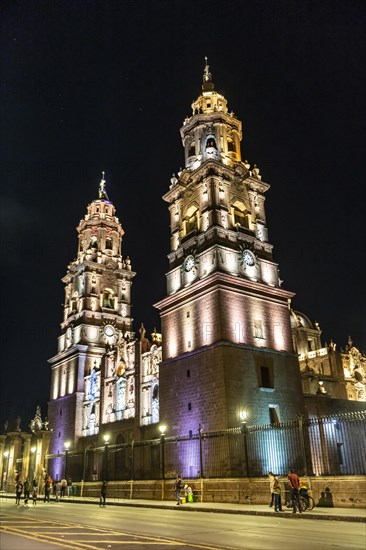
{"x":303,"y":504}
{"x":310,"y":503}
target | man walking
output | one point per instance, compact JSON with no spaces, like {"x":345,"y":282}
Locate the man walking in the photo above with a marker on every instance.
{"x":177,"y":488}
{"x":26,"y":491}
{"x":294,"y":493}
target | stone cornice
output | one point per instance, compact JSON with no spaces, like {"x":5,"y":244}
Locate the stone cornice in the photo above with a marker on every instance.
{"x":223,"y":281}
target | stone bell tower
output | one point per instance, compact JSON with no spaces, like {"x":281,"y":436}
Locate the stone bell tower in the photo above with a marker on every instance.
{"x":93,"y":372}
{"x":227,"y":345}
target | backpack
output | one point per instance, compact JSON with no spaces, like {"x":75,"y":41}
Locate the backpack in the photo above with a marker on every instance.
{"x":178,"y":484}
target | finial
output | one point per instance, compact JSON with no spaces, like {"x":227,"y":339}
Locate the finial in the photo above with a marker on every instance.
{"x":102,"y":190}
{"x":207,"y":85}
{"x":206,"y":73}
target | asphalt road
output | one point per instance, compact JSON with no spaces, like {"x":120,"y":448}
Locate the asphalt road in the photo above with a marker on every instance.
{"x":81,"y":526}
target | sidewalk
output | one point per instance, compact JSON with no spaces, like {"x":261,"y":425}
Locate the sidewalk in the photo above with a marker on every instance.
{"x":339,"y":514}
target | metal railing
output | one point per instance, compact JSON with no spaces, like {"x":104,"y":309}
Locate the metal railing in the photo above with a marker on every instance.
{"x":333,"y":445}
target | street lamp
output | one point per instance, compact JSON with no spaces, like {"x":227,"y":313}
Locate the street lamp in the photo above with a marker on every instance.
{"x":67,"y":447}
{"x":244,"y":430}
{"x":162,"y":430}
{"x":106,"y":438}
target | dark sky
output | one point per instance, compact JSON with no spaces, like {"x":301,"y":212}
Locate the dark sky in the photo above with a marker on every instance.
{"x":88,"y":86}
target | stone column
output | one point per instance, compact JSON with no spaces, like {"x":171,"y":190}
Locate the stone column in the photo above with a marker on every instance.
{"x":3,"y":462}
{"x":26,"y":452}
{"x":41,"y":466}
{"x":15,"y":445}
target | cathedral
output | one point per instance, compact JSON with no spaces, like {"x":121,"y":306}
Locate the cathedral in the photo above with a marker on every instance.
{"x":230,"y":346}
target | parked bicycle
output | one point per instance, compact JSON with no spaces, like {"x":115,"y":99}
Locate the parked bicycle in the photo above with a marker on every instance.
{"x":306,"y":503}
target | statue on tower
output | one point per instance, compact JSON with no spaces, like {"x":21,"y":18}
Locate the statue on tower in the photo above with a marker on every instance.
{"x":207,"y":85}
{"x":102,"y":190}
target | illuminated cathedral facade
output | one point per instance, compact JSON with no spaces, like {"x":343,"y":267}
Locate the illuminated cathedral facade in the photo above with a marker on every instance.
{"x":230,"y":343}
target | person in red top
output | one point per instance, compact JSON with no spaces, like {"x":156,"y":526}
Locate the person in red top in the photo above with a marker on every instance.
{"x":294,"y":493}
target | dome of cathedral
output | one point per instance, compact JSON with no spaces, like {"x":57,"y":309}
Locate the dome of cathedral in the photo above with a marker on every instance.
{"x":299,"y":319}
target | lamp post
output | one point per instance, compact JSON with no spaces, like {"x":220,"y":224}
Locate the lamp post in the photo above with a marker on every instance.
{"x":106,"y":438}
{"x":200,"y":434}
{"x":162,"y":429}
{"x":5,"y":472}
{"x":67,"y":447}
{"x":244,"y":431}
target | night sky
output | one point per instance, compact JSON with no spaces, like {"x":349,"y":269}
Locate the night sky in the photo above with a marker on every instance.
{"x":88,"y":86}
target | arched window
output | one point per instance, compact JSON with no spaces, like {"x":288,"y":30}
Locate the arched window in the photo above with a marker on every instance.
{"x":230,"y":146}
{"x":93,"y":243}
{"x":240,"y":214}
{"x":192,"y":149}
{"x":108,"y":298}
{"x":108,"y":243}
{"x":191,"y":223}
{"x":155,"y":394}
{"x":211,"y":142}
{"x":191,"y":219}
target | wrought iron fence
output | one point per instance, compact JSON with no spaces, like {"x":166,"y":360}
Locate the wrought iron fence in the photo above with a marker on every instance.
{"x":333,"y":445}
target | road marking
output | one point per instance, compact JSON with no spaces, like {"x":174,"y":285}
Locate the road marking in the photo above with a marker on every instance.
{"x":47,"y":530}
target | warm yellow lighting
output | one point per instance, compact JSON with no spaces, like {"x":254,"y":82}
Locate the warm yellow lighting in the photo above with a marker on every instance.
{"x":243,"y":415}
{"x":67,"y":445}
{"x":33,"y":449}
{"x":106,"y":438}
{"x":162,"y":429}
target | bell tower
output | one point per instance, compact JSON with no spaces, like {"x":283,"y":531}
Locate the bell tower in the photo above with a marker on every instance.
{"x":226,"y":321}
{"x":93,"y":372}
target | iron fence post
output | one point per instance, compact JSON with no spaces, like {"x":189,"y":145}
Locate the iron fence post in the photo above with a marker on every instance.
{"x":200,"y":432}
{"x":244,"y":431}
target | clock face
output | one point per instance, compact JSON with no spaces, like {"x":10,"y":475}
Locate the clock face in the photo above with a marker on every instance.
{"x":108,"y":330}
{"x":248,"y":258}
{"x":189,"y":263}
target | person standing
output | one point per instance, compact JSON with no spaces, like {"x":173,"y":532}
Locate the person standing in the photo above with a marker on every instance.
{"x":69,"y":487}
{"x":34,"y":495}
{"x":177,"y":488}
{"x":47,"y":490}
{"x":63,"y":487}
{"x":103,"y":493}
{"x":18,"y":491}
{"x":271,"y":478}
{"x":294,"y":493}
{"x":26,"y":491}
{"x":277,"y":494}
{"x":57,"y":490}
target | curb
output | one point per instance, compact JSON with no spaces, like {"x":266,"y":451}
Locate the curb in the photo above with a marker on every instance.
{"x":284,"y":515}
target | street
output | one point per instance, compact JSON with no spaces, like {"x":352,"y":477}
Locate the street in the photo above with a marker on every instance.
{"x":68,"y":525}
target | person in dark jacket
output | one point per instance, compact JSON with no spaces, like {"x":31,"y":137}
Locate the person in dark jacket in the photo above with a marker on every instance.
{"x":18,"y":491}
{"x":178,"y":485}
{"x":103,"y":493}
{"x":47,"y":490}
{"x":26,"y":491}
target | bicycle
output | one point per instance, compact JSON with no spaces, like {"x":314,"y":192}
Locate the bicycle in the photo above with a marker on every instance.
{"x":306,"y":503}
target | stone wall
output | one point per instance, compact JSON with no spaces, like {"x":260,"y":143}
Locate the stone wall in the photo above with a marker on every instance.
{"x":332,"y":492}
